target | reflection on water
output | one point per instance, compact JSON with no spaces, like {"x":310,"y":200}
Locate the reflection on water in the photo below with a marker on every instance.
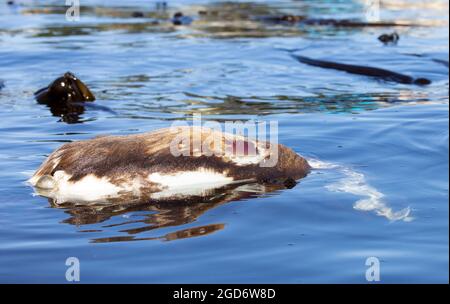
{"x":190,"y":103}
{"x":68,"y":112}
{"x":72,"y":112}
{"x":261,"y":105}
{"x":156,"y":215}
{"x":177,"y":235}
{"x":214,"y":20}
{"x":184,"y":108}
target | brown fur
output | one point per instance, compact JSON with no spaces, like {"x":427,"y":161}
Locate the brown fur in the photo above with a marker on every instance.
{"x":122,"y":158}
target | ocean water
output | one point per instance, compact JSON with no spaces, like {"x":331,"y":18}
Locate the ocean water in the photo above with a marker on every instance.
{"x":380,"y":184}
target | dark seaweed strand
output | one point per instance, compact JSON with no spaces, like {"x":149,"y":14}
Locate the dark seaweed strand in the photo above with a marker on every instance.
{"x":363,"y":70}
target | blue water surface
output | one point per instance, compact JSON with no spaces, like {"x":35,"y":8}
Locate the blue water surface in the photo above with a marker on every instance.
{"x":380,"y":187}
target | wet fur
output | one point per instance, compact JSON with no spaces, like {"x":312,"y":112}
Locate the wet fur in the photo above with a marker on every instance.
{"x":124,"y":158}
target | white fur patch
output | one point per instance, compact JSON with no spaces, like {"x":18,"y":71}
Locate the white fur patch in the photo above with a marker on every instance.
{"x":90,"y":188}
{"x":247,"y":159}
{"x":188,"y":183}
{"x":250,"y":157}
